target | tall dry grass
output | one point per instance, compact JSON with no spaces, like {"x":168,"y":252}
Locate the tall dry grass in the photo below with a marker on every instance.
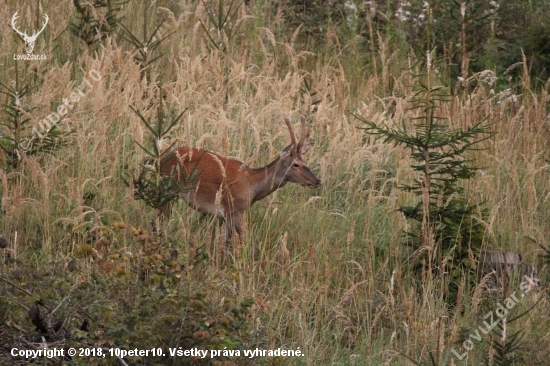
{"x":327,"y":265}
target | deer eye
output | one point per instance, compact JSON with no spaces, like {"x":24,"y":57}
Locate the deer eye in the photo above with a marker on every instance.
{"x":295,"y":165}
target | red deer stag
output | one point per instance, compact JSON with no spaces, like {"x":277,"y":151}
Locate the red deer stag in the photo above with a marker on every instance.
{"x":227,"y":187}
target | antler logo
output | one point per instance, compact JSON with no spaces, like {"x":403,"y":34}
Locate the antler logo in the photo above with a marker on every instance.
{"x":29,"y":40}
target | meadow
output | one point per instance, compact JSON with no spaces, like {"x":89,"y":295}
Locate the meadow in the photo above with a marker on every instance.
{"x":324,"y":271}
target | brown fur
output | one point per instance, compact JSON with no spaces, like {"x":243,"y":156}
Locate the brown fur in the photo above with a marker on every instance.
{"x":227,"y":187}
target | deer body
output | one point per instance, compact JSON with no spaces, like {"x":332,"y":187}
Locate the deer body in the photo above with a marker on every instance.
{"x":227,"y":187}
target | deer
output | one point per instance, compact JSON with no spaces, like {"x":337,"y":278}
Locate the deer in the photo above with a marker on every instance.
{"x":227,"y":187}
{"x":29,"y":40}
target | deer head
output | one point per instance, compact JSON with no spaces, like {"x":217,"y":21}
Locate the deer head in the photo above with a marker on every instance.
{"x":29,"y":40}
{"x":294,"y":167}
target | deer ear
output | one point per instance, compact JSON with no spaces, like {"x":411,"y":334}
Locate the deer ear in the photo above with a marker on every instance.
{"x":306,"y":147}
{"x":287,"y":151}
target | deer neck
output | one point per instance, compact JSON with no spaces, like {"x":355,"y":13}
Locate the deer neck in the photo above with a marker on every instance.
{"x":267,"y":180}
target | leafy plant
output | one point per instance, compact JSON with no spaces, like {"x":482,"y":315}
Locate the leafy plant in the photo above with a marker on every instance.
{"x":18,"y":137}
{"x":503,"y":345}
{"x":151,"y":185}
{"x":432,"y":361}
{"x":316,"y":17}
{"x":95,"y":20}
{"x":472,"y":35}
{"x":135,"y":298}
{"x":546,"y":255}
{"x":223,"y":23}
{"x":145,"y":55}
{"x":447,"y":231}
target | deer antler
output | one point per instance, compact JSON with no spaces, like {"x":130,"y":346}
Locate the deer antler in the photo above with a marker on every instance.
{"x":46,"y":19}
{"x":29,"y":40}
{"x":13,"y":19}
{"x":24,"y":35}
{"x":291,"y":130}
{"x":304,"y":134}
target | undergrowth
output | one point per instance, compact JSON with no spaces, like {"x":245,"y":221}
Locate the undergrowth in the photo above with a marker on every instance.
{"x":82,"y":263}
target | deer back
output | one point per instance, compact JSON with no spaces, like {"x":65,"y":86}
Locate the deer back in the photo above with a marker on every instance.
{"x":216,"y":176}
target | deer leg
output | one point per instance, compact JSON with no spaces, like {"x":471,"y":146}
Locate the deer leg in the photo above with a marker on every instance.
{"x":166,"y":209}
{"x":235,"y":226}
{"x":239,"y":224}
{"x":239,"y":229}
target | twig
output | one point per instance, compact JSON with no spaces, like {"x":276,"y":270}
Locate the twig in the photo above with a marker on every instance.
{"x":15,"y":301}
{"x":14,"y":285}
